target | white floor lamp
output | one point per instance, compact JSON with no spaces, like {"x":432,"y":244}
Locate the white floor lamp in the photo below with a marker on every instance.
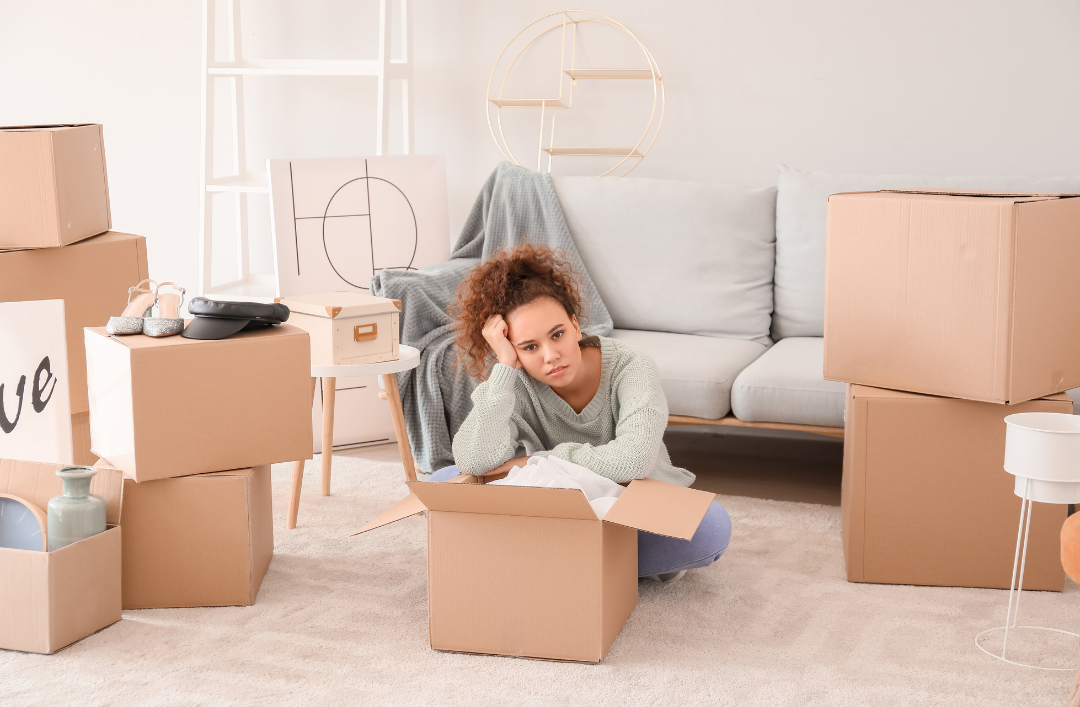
{"x":1042,"y":450}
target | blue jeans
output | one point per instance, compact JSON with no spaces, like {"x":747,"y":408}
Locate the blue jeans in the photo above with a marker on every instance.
{"x":659,"y":554}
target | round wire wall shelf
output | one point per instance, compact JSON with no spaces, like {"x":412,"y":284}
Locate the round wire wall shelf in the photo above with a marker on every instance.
{"x":567,"y":22}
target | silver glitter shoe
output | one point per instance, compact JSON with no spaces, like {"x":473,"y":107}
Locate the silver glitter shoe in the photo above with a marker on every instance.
{"x":131,"y":321}
{"x":168,"y":322}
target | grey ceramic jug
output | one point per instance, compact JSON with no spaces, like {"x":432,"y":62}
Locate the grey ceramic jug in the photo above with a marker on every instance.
{"x":76,"y":514}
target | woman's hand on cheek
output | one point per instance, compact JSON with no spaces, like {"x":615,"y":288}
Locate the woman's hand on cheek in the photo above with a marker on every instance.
{"x":495,"y":333}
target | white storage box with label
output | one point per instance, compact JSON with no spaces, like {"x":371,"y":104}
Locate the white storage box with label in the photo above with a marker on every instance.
{"x":347,"y":327}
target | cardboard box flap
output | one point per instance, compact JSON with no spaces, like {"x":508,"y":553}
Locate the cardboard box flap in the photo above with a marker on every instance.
{"x":865,"y":391}
{"x":408,"y":506}
{"x":1024,"y":196}
{"x":37,"y":482}
{"x":504,"y":500}
{"x":334,"y":305}
{"x":29,"y":128}
{"x":661,"y":508}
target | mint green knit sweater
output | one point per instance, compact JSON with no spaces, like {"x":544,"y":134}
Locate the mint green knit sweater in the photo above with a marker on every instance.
{"x":619,"y":434}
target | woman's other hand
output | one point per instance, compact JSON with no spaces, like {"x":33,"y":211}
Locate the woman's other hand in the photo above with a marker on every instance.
{"x":495,"y":333}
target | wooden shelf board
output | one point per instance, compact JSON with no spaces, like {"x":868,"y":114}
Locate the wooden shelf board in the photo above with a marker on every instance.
{"x":251,"y":182}
{"x":257,"y":288}
{"x":528,"y":102}
{"x":577,"y":74}
{"x":297,"y":67}
{"x":593,"y":152}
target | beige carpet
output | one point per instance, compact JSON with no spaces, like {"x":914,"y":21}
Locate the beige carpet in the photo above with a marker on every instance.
{"x":343,"y":620}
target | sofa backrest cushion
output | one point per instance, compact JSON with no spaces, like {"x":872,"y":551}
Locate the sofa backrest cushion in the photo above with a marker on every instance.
{"x":678,"y":257}
{"x":799,"y":294}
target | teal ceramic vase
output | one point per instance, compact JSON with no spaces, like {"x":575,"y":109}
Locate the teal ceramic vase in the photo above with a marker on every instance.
{"x":76,"y":514}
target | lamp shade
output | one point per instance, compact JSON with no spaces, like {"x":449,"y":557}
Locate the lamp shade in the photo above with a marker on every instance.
{"x":1044,"y":447}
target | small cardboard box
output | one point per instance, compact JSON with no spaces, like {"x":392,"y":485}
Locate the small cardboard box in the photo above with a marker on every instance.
{"x":53,"y":187}
{"x":532,"y":572}
{"x":165,"y":407}
{"x":91,"y":276}
{"x":202,"y":540}
{"x":926,"y":499}
{"x":956,"y":294}
{"x":347,"y":327}
{"x":49,"y":600}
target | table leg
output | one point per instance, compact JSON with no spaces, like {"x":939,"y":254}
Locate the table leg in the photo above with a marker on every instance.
{"x":328,"y":391}
{"x":397,"y":414}
{"x":1022,"y":532}
{"x":297,"y":480}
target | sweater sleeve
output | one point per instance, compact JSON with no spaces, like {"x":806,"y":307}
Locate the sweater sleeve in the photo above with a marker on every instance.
{"x":488,"y":437}
{"x":639,"y":430}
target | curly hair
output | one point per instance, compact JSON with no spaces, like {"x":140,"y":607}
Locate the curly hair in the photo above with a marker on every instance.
{"x":500,"y":285}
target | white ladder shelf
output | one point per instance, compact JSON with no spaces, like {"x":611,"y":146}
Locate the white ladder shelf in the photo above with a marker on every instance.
{"x":242,"y":182}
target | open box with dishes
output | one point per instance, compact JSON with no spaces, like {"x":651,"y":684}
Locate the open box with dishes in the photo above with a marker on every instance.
{"x":534,"y":572}
{"x":49,"y":600}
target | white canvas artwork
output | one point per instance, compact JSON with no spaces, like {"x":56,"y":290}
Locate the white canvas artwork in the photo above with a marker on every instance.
{"x":35,"y":406}
{"x":337,"y":220}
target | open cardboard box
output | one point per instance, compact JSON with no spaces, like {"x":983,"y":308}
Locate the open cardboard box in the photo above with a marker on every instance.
{"x":959,"y":294}
{"x":203,"y":540}
{"x":49,"y":600}
{"x":167,"y":407}
{"x":532,"y":572}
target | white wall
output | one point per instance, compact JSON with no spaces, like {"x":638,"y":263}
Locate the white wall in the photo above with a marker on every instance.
{"x":924,"y":86}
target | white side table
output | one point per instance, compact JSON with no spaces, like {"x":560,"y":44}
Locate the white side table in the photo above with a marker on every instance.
{"x":409,"y":359}
{"x":1042,"y":450}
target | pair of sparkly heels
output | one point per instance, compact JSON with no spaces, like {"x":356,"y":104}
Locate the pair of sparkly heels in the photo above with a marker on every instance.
{"x":136,"y":317}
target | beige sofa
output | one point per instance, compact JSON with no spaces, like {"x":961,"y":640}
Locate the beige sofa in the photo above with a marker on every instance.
{"x":723,"y":286}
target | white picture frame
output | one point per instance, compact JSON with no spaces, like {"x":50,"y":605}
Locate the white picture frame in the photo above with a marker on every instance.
{"x":337,"y":220}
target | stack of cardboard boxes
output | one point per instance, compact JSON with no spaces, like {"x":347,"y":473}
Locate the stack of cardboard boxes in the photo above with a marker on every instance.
{"x":185,"y":429}
{"x":194,"y":426}
{"x":55,"y":241}
{"x":946,"y":312}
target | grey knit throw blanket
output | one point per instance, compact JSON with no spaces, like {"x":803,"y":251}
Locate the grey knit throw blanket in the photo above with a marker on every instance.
{"x":515,"y":206}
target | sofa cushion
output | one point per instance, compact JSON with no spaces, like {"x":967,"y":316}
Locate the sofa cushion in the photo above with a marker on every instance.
{"x":786,"y":385}
{"x":696,"y":372}
{"x":799,"y":293}
{"x":658,"y":250}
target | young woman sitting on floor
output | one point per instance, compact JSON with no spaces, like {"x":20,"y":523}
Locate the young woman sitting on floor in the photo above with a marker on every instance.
{"x":593,"y":401}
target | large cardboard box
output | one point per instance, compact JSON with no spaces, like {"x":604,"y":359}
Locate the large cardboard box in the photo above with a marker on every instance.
{"x":532,"y":572}
{"x":925,"y":497}
{"x":53,"y":186}
{"x":49,"y":600}
{"x":91,"y":276}
{"x":202,"y":540}
{"x":961,"y":295}
{"x":166,"y":407}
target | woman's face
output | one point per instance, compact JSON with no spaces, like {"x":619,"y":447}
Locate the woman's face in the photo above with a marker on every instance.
{"x":546,"y":340}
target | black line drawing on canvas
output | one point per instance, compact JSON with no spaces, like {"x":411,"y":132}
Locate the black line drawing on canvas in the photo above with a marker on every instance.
{"x":371,"y":230}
